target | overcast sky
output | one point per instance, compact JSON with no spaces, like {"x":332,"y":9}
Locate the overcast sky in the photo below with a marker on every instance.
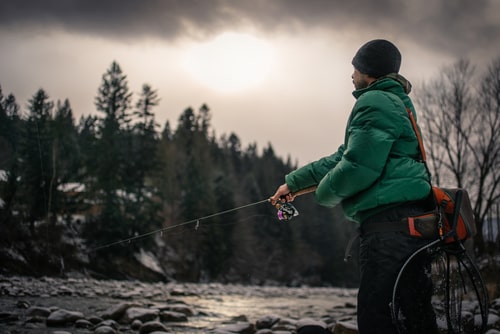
{"x":275,"y":71}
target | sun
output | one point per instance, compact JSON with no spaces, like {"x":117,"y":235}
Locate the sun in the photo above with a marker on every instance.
{"x":230,"y":62}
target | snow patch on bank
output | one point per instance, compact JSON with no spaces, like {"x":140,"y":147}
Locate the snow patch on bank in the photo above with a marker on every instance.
{"x":148,"y":260}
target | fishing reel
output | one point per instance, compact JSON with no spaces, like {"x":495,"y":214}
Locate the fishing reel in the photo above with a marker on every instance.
{"x":286,"y":211}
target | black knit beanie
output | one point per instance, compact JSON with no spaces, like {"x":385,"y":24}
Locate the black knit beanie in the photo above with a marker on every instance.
{"x":377,"y":58}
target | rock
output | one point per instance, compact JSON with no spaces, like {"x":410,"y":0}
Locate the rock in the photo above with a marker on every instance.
{"x":37,"y":311}
{"x":23,"y":304}
{"x":495,"y":304}
{"x":118,"y":311}
{"x":492,"y":331}
{"x":310,"y":326}
{"x":238,"y":318}
{"x":108,"y":323}
{"x":265,"y":331}
{"x":129,"y":294}
{"x":95,"y":319}
{"x":309,"y":322}
{"x":140,"y":313}
{"x":285,"y":324}
{"x":136,"y":324}
{"x":105,"y":330}
{"x":470,"y":306}
{"x":239,"y":327}
{"x":6,"y":317}
{"x":36,"y":319}
{"x":61,"y":332}
{"x":152,"y":326}
{"x":181,"y":308}
{"x":171,"y":316}
{"x":467,"y":321}
{"x":62,"y":317}
{"x":493,"y":320}
{"x":179,"y":292}
{"x":63,"y":290}
{"x":82,"y":323}
{"x":267,"y":321}
{"x":345,"y":328}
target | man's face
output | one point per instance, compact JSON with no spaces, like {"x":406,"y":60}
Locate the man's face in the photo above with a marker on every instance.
{"x":360,"y":80}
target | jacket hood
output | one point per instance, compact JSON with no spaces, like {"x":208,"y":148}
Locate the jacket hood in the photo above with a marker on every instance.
{"x":380,"y":82}
{"x":401,"y":79}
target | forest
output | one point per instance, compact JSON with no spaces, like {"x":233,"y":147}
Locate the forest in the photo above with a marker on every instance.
{"x":101,"y":194}
{"x":116,"y":195}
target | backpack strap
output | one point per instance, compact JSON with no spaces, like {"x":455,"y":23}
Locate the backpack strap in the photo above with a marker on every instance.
{"x":420,"y":142}
{"x":417,"y":133}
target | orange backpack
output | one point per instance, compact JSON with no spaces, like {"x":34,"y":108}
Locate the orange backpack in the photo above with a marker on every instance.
{"x":457,"y":217}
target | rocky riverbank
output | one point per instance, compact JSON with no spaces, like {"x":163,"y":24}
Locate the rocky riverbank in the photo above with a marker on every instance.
{"x":82,"y":305}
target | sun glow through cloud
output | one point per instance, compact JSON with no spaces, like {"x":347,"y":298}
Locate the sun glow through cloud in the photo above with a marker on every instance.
{"x":230,"y":62}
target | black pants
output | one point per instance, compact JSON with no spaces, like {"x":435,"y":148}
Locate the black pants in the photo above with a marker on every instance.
{"x":382,"y":254}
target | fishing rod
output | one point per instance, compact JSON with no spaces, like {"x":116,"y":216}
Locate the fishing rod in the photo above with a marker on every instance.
{"x":286,"y":211}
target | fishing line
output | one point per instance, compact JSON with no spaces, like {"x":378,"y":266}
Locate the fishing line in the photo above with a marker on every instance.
{"x":196,"y":220}
{"x":286,"y":211}
{"x":178,"y":233}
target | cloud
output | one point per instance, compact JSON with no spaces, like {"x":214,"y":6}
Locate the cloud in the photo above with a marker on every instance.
{"x":453,"y":26}
{"x":65,"y":46}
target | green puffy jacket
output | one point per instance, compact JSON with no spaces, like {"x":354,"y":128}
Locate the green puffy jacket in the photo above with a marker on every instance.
{"x":379,"y":164}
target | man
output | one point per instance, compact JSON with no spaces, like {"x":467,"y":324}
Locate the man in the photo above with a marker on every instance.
{"x":377,"y":176}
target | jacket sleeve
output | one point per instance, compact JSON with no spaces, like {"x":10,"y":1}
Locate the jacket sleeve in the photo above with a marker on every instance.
{"x":312,"y":173}
{"x":370,"y":135}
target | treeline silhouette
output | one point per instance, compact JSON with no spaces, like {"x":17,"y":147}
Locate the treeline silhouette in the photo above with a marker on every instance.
{"x":67,"y":188}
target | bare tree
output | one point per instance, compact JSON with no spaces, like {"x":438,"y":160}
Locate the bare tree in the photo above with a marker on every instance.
{"x":461,"y":121}
{"x":488,"y":143}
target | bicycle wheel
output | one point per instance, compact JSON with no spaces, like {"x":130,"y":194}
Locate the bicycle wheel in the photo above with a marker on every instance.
{"x":440,"y":290}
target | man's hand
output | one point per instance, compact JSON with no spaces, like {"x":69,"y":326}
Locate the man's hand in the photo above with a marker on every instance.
{"x":283,"y":194}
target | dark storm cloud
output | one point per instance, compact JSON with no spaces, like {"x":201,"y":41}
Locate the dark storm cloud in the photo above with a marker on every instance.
{"x":453,"y":25}
{"x":113,"y":18}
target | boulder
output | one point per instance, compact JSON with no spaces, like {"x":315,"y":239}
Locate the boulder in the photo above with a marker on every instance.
{"x":62,"y":317}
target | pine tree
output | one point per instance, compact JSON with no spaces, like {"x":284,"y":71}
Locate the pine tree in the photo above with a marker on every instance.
{"x":35,"y":151}
{"x":65,"y":162}
{"x":143,"y":210}
{"x":10,"y":126}
{"x":114,"y":101}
